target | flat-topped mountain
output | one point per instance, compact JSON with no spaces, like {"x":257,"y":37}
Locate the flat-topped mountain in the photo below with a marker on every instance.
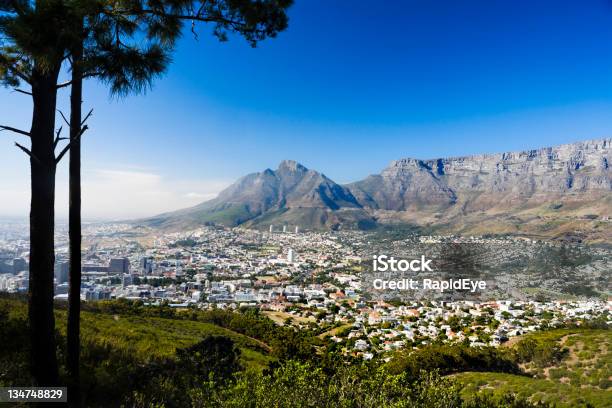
{"x":559,"y":191}
{"x":578,"y":168}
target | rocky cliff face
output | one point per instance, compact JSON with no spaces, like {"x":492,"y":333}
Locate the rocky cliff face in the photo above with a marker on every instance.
{"x":578,"y":168}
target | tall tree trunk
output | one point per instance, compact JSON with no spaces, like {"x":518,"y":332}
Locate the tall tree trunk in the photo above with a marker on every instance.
{"x":43,"y":359}
{"x":74,"y":225}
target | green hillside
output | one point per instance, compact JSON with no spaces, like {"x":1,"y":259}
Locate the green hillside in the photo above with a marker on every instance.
{"x":158,"y":337}
{"x":147,"y":338}
{"x":567,"y":367}
{"x":534,"y":389}
{"x":140,"y":356}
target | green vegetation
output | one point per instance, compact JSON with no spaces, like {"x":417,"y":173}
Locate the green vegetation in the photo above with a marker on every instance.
{"x":186,"y":243}
{"x":451,"y":359}
{"x":304,"y":385}
{"x":579,"y":357}
{"x":150,"y":338}
{"x":141,"y":356}
{"x":231,"y":215}
{"x":567,"y":367}
{"x":533,"y":389}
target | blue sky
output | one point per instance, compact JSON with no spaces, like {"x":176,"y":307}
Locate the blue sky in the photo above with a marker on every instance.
{"x":350,"y":86}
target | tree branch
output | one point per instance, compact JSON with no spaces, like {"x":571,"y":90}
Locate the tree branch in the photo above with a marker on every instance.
{"x":235,"y":24}
{"x":29,"y":153}
{"x":76,"y":138}
{"x":12,"y":129}
{"x":58,"y":138}
{"x":17,"y":8}
{"x":22,"y":91}
{"x":87,"y":117}
{"x":64,"y":117}
{"x":68,"y":83}
{"x":67,"y":147}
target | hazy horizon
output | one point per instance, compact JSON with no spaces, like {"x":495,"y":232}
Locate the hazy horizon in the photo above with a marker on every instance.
{"x":180,"y":200}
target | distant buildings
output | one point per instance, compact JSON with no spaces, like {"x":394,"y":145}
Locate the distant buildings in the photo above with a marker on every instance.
{"x":120,"y":265}
{"x":285,"y":229}
{"x":230,"y":268}
{"x":94,"y":268}
{"x":61,"y":289}
{"x":97,"y":293}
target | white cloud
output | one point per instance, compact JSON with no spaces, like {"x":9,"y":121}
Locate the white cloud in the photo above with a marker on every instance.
{"x":122,"y":193}
{"x":199,"y":196}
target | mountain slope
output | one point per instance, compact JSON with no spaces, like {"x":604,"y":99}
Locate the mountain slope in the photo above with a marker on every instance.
{"x":291,"y":194}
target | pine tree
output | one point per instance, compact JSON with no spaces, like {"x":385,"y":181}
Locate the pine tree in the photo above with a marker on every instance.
{"x":36,"y":39}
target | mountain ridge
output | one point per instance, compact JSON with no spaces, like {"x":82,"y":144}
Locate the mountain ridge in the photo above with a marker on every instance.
{"x":442,"y":193}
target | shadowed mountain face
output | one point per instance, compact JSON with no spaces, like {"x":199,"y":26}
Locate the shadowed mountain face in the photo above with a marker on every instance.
{"x":404,"y":185}
{"x":520,"y":192}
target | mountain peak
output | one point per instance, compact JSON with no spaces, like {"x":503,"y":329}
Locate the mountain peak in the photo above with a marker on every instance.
{"x":291,"y":166}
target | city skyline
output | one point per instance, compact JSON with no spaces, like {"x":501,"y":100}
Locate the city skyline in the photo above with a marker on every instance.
{"x":337,"y":101}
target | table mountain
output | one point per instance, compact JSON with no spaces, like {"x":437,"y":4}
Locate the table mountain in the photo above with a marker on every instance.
{"x":578,"y":168}
{"x":558,"y":191}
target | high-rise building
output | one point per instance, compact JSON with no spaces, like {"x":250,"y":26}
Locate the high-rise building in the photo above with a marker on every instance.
{"x":61,"y":271}
{"x":271,"y":229}
{"x":146,"y":265}
{"x":121,"y":265}
{"x":297,"y":229}
{"x":19,"y":264}
{"x":126,"y":280}
{"x":284,"y":228}
{"x":290,"y":255}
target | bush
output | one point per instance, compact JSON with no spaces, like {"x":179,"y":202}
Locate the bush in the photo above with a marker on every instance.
{"x":214,"y":356}
{"x":542,"y":352}
{"x":452,"y":359}
{"x":605,"y":383}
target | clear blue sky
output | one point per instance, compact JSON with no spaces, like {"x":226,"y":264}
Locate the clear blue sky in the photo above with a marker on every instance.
{"x":350,"y":86}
